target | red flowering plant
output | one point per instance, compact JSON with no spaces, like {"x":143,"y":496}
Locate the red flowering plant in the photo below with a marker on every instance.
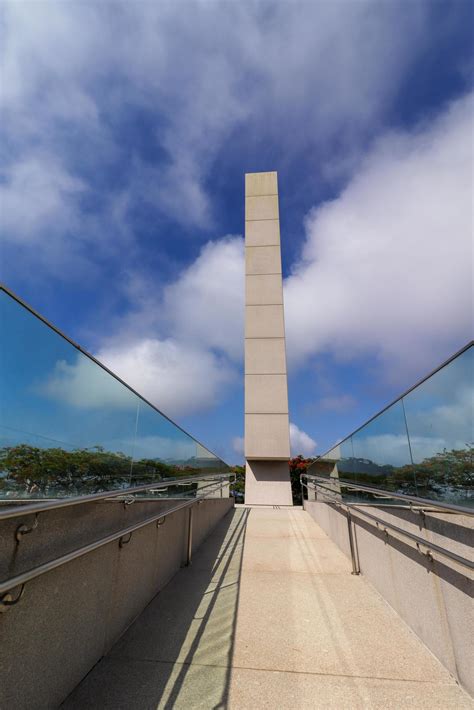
{"x":298,"y":465}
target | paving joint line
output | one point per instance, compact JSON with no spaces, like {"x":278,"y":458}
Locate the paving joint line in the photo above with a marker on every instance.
{"x":280,"y":670}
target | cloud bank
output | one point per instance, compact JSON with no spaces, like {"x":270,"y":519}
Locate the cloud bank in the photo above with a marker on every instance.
{"x":385,"y":271}
{"x":300,"y":442}
{"x":386,"y":268}
{"x":200,"y":315}
{"x":76,"y":77}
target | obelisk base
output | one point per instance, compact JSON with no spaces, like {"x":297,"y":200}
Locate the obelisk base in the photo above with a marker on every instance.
{"x":267,"y":483}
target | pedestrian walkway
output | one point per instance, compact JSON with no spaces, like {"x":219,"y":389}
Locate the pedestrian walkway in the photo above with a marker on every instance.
{"x":268,"y":616}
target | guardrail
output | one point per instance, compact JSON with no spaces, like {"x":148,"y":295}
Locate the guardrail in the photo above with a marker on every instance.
{"x":6,"y":586}
{"x":52,"y":504}
{"x":422,"y":505}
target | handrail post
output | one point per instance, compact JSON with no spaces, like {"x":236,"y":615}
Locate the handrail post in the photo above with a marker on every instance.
{"x":354,"y":560}
{"x":189,"y":551}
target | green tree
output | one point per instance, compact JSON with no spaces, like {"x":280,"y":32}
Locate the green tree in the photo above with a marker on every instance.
{"x":31,"y":471}
{"x":238,"y":486}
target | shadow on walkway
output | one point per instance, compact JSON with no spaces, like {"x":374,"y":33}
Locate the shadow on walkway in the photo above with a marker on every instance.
{"x":178,"y":653}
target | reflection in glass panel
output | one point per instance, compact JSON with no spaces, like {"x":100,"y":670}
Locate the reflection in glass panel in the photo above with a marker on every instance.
{"x":338,"y":462}
{"x":439,"y":414}
{"x":68,"y":427}
{"x":335,"y":464}
{"x":345,"y":467}
{"x":162,"y":450}
{"x":382,"y":452}
{"x":208,"y":462}
{"x":421,"y":445}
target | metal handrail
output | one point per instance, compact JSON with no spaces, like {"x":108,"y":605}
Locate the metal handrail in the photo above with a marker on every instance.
{"x":27,"y":576}
{"x":30,"y":508}
{"x":420,"y":542}
{"x":449,"y":507}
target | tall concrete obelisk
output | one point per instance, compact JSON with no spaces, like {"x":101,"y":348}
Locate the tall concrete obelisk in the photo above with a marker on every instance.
{"x":267,"y":440}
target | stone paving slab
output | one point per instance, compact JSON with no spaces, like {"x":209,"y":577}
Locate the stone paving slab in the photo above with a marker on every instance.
{"x":299,"y":554}
{"x":182,"y":628}
{"x":272,"y":690}
{"x":327,"y":624}
{"x":286,"y":526}
{"x":118,"y":684}
{"x":145,"y":685}
{"x":268,"y":619}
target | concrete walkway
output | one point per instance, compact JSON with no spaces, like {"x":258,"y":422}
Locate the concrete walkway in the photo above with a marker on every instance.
{"x":268,"y":616}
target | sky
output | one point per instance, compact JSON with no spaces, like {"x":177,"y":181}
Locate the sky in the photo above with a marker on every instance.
{"x":127,"y":128}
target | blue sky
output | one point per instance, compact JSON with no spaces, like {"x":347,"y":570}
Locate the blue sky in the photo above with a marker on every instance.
{"x":126,"y":131}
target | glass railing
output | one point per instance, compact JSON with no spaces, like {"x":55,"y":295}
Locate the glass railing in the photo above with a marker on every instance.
{"x":69,"y":427}
{"x":421,"y":445}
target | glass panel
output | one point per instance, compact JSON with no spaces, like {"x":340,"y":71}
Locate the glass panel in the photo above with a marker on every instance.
{"x":345,"y":466}
{"x":162,"y":450}
{"x":207,"y":462}
{"x":439,"y":415}
{"x":421,"y":445}
{"x":382,"y":453}
{"x":68,"y":427}
{"x":336,"y":463}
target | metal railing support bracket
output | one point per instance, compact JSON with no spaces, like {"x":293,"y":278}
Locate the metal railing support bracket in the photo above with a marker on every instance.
{"x":189,"y":550}
{"x":7,"y":600}
{"x":25,"y":529}
{"x":123,"y":541}
{"x":354,"y":556}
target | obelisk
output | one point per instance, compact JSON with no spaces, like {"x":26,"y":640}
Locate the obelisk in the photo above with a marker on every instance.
{"x":267,"y":441}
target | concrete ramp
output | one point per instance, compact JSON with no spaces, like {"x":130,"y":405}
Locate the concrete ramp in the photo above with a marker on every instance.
{"x":268,"y":616}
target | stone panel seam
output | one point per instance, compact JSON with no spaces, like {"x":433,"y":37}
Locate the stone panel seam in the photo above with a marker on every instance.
{"x":263,"y":194}
{"x":264,"y":219}
{"x":268,"y":413}
{"x":261,"y":246}
{"x":266,"y":374}
{"x":284,"y":670}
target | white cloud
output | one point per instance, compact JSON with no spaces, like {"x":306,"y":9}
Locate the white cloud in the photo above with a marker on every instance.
{"x":387,"y":266}
{"x":69,"y":70}
{"x":190,"y":366}
{"x":180,"y":349}
{"x":38,"y":192}
{"x":205,"y":304}
{"x":238,"y":445}
{"x":84,"y":384}
{"x":70,"y":73}
{"x":177,"y":377}
{"x":300,"y":442}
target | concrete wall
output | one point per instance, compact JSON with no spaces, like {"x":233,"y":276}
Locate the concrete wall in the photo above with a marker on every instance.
{"x":433,"y":597}
{"x":70,"y":617}
{"x":266,"y":391}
